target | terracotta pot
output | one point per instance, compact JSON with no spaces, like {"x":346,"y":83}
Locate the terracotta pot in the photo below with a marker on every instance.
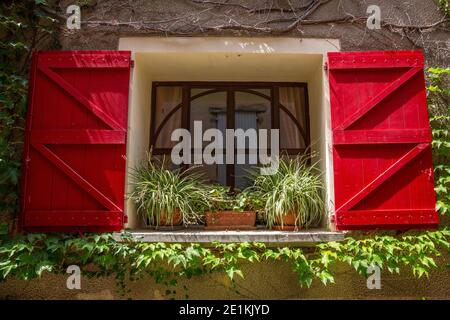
{"x":177,"y":220}
{"x":230,"y":220}
{"x":288,"y":223}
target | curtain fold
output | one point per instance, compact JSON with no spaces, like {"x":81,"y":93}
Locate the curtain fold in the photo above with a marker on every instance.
{"x":293,"y":99}
{"x":167,"y":98}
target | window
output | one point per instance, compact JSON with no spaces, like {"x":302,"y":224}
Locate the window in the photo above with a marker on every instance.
{"x":230,"y":105}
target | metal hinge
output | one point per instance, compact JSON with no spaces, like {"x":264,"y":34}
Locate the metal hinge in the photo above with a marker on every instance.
{"x":125,"y":219}
{"x":131,"y":63}
{"x":325,"y":66}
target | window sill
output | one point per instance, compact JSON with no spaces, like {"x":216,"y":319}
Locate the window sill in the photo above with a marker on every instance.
{"x":261,"y":235}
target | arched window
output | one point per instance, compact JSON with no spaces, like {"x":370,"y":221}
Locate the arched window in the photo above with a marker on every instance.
{"x":230,"y":105}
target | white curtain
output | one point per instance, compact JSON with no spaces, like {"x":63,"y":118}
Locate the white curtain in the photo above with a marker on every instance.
{"x":293,"y":99}
{"x":167,"y":98}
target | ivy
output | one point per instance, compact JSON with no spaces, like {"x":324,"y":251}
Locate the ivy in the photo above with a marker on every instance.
{"x":25,"y":26}
{"x":29,"y":256}
{"x":444,"y":6}
{"x":439,"y":105}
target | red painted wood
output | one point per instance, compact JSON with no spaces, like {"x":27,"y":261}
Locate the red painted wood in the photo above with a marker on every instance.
{"x":390,"y":219}
{"x":74,"y":157}
{"x":78,"y":137}
{"x":378,"y":98}
{"x":383,"y":177}
{"x":381,"y":136}
{"x":375,"y":59}
{"x":71,"y":90}
{"x":75,"y":176}
{"x":70,"y":218}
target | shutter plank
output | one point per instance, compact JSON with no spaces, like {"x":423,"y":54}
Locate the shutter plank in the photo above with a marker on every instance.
{"x":75,"y":145}
{"x":383,"y":175}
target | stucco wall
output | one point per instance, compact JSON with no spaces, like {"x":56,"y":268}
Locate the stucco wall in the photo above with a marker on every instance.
{"x":105,"y":21}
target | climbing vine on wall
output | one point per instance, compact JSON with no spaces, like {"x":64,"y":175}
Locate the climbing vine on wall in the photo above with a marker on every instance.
{"x":444,"y":5}
{"x":28,"y":257}
{"x":439,"y":104}
{"x":24,"y":26}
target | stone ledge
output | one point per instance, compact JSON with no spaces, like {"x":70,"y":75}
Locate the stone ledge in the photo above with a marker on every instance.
{"x":267,"y":236}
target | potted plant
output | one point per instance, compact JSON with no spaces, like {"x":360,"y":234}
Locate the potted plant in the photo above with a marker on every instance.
{"x":167,"y":197}
{"x":293,"y":196}
{"x":230,"y":213}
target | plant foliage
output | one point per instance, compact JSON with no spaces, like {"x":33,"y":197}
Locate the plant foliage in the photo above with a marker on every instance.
{"x":159,"y":191}
{"x":444,"y":5}
{"x":296,"y":187}
{"x":24,"y":26}
{"x":28,"y":257}
{"x":220,"y":198}
{"x":439,"y":104}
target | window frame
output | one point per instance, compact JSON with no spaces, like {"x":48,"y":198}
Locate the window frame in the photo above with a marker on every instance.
{"x":230,"y":87}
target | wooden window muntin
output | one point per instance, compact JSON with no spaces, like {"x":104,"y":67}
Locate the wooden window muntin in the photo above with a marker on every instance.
{"x":230,"y":88}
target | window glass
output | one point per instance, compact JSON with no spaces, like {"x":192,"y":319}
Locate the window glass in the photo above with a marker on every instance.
{"x":252,"y":111}
{"x":210,"y":111}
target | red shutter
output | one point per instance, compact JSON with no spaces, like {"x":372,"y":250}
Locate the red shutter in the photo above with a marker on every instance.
{"x":74,"y":157}
{"x":383,"y":176}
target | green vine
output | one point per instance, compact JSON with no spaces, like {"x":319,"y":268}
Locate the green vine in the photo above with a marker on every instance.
{"x":439,"y":105}
{"x":24,"y":26}
{"x":28,"y":257}
{"x":444,"y":5}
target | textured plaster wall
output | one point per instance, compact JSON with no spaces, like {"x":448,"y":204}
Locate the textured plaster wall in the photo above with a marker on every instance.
{"x":105,"y":21}
{"x":263,"y":280}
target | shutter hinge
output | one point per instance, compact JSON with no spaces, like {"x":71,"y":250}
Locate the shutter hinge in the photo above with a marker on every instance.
{"x":333,"y":218}
{"x":131,"y":63}
{"x":125,"y":219}
{"x":325,"y":66}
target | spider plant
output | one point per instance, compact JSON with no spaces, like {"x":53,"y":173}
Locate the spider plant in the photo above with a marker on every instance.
{"x":159,"y":193}
{"x":295,"y":188}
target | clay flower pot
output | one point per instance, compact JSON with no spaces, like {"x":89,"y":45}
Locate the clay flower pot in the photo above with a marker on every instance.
{"x":288,"y":223}
{"x":230,"y":220}
{"x":164,"y":221}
